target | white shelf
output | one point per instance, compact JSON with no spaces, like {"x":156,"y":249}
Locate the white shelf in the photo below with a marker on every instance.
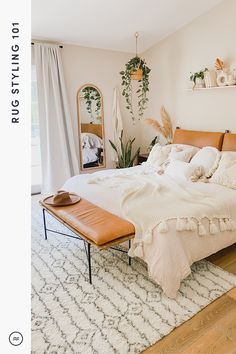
{"x":211,"y":88}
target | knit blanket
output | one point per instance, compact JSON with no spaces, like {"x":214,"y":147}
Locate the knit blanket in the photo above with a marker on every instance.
{"x":151,"y":201}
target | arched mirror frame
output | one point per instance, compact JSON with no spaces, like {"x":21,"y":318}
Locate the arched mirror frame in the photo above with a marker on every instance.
{"x":79,"y":129}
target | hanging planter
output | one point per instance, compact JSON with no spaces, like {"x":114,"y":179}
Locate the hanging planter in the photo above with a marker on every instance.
{"x":136,"y":69}
{"x":136,"y":74}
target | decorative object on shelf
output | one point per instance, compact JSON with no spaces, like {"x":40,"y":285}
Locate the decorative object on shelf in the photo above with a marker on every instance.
{"x":219,"y":64}
{"x":125,"y":158}
{"x":166,"y":128}
{"x":198,"y":78}
{"x":210,"y":78}
{"x":231,"y":80}
{"x":136,"y":69}
{"x":153,"y":142}
{"x":233,"y":70}
{"x":222,"y":79}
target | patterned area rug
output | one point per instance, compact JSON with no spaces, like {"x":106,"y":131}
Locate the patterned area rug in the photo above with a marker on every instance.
{"x":122,"y":312}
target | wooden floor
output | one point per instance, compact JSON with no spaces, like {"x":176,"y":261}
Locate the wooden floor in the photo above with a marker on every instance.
{"x":212,"y":330}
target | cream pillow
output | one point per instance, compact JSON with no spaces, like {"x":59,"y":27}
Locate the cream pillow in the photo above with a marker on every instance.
{"x":209,"y":158}
{"x":226,"y":172}
{"x":159,"y":154}
{"x":181,"y":154}
{"x":194,"y":149}
{"x":180,"y":169}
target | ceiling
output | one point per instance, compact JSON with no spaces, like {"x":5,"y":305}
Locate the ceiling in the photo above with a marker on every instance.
{"x":111,"y":24}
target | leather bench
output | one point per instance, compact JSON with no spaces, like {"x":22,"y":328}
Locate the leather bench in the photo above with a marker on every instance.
{"x":92,"y":224}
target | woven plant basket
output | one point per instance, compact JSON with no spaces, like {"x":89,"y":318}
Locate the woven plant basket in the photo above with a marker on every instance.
{"x":136,"y":74}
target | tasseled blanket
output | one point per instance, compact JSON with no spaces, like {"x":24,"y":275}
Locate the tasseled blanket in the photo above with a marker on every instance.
{"x":150,"y":201}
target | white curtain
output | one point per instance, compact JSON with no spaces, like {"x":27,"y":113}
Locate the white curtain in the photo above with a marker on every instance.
{"x":117,"y":124}
{"x":58,"y":153}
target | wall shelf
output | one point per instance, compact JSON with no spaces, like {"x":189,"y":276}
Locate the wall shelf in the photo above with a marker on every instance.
{"x":211,"y":88}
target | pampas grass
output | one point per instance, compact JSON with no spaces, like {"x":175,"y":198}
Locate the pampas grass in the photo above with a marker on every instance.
{"x":166,"y":128}
{"x":219,"y":64}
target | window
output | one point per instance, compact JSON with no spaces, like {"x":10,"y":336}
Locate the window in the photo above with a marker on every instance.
{"x":36,"y":173}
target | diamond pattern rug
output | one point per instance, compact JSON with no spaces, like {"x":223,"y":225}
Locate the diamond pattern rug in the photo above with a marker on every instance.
{"x":123,"y":311}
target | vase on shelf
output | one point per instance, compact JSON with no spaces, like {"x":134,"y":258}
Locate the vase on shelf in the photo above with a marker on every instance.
{"x":199,"y":83}
{"x":210,"y":78}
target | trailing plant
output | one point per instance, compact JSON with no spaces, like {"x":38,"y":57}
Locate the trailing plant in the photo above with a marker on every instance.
{"x":132,"y":67}
{"x":197,"y":75}
{"x":125,"y":158}
{"x":90,"y":94}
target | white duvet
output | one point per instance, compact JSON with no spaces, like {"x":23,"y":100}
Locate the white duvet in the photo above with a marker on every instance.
{"x":89,"y":155}
{"x":170,"y":254}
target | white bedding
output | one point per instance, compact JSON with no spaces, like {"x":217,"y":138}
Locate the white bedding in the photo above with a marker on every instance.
{"x":90,"y":145}
{"x":89,"y":155}
{"x":170,"y":254}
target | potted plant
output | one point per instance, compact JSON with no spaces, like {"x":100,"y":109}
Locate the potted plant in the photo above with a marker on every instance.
{"x":198,"y":78}
{"x":125,"y":158}
{"x":136,"y":69}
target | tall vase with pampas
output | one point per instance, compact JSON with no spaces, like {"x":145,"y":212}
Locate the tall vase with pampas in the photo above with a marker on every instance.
{"x":164,"y":129}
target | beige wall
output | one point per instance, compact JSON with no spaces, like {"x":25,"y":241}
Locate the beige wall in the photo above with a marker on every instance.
{"x":101,"y":67}
{"x":193,"y":48}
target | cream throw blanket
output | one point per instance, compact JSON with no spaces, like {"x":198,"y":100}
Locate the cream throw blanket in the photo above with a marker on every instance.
{"x":150,"y":201}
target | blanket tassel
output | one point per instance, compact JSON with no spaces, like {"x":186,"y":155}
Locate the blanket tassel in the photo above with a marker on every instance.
{"x":139,"y":250}
{"x":230,"y":224}
{"x":233,"y":225}
{"x":148,"y":237}
{"x":162,"y":227}
{"x":180,"y":224}
{"x":213,"y":228}
{"x":201,"y":229}
{"x":223,"y":226}
{"x":191,"y":226}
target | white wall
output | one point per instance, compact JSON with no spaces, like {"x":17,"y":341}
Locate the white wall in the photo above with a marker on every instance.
{"x":191,"y":49}
{"x":100,"y":67}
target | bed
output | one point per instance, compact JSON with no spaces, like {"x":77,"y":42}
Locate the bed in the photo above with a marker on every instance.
{"x":169,"y":255}
{"x":91,"y":144}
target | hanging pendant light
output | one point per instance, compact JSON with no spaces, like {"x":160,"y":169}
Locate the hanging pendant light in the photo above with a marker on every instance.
{"x":136,"y":74}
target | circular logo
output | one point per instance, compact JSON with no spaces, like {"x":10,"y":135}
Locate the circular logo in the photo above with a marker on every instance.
{"x":15,"y":338}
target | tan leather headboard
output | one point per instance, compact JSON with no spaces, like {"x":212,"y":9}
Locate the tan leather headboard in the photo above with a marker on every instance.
{"x":92,"y":128}
{"x":198,"y":138}
{"x":229,"y":142}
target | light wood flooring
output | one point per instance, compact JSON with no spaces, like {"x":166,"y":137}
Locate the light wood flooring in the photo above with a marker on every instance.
{"x":212,"y":330}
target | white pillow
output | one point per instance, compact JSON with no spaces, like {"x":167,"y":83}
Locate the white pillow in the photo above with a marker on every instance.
{"x":209,"y":158}
{"x":180,"y":169}
{"x":181,"y":154}
{"x":226,"y":172}
{"x":194,"y":149}
{"x":159,"y":154}
{"x":90,"y":140}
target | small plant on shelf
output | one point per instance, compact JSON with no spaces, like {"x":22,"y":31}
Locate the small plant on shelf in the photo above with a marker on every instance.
{"x":125,"y":158}
{"x":197,"y":75}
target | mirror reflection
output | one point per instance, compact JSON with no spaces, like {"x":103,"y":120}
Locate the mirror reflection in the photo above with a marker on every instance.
{"x":91,"y":127}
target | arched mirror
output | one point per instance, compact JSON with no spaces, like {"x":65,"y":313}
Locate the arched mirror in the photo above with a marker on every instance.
{"x":91,"y":127}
